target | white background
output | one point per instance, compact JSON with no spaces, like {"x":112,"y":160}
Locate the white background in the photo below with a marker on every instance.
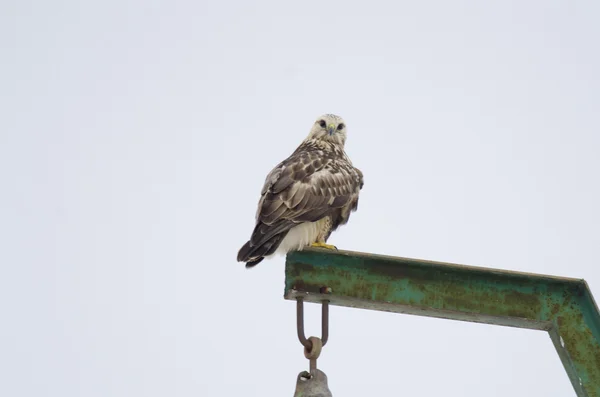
{"x":135,"y":137}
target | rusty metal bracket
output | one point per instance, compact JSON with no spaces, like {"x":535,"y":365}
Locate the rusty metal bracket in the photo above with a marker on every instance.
{"x":300,"y":322}
{"x":564,"y":307}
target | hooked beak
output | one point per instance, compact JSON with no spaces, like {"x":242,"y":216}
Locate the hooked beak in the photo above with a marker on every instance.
{"x":330,"y":129}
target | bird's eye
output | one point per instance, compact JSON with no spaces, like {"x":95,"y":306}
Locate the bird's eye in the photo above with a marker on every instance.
{"x":322,"y":123}
{"x":341,"y":126}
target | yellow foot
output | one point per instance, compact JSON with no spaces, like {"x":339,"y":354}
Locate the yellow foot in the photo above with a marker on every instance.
{"x":323,"y":245}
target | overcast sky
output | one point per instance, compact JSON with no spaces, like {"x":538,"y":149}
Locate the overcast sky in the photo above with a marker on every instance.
{"x":135,"y":137}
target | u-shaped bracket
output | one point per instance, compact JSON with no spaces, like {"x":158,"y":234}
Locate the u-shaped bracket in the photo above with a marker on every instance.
{"x":300,"y":322}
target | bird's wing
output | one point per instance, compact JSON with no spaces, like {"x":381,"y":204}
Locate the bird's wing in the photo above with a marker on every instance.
{"x":303,"y":188}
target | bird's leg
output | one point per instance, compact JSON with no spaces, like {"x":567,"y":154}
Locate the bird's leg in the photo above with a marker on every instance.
{"x":321,"y":244}
{"x":324,"y":235}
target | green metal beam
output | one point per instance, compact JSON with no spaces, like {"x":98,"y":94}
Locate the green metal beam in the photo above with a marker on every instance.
{"x":564,"y":307}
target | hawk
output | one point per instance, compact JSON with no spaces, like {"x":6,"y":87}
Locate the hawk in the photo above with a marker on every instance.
{"x":306,"y":196}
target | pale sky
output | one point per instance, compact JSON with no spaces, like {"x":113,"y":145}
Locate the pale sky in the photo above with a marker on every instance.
{"x":135,"y":137}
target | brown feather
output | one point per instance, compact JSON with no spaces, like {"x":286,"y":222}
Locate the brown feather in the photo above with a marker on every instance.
{"x":312,"y":183}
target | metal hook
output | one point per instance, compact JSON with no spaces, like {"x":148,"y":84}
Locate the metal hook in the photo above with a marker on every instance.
{"x":300,"y":322}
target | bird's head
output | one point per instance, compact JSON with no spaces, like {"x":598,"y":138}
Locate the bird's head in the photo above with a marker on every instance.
{"x":330,"y":128}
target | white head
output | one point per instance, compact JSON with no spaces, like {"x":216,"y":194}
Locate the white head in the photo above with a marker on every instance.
{"x":329,"y":128}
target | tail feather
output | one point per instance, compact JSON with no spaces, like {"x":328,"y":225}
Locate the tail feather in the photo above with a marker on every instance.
{"x":244,"y":252}
{"x":250,"y":264}
{"x":253,"y":254}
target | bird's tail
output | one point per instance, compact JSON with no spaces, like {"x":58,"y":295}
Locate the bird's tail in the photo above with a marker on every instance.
{"x":245,"y":255}
{"x":254,"y":254}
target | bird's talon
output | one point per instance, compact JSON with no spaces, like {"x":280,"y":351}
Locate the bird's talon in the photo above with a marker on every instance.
{"x":323,"y":245}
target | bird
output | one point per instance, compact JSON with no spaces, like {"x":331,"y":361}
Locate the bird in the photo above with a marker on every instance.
{"x":307,"y":196}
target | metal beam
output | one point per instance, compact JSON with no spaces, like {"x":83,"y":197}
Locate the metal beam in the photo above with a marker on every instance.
{"x":564,"y":307}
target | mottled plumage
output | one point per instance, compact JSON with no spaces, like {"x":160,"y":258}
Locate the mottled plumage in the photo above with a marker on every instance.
{"x":307,"y":196}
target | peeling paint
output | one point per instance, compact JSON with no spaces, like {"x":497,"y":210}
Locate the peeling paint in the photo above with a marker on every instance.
{"x":561,"y":306}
